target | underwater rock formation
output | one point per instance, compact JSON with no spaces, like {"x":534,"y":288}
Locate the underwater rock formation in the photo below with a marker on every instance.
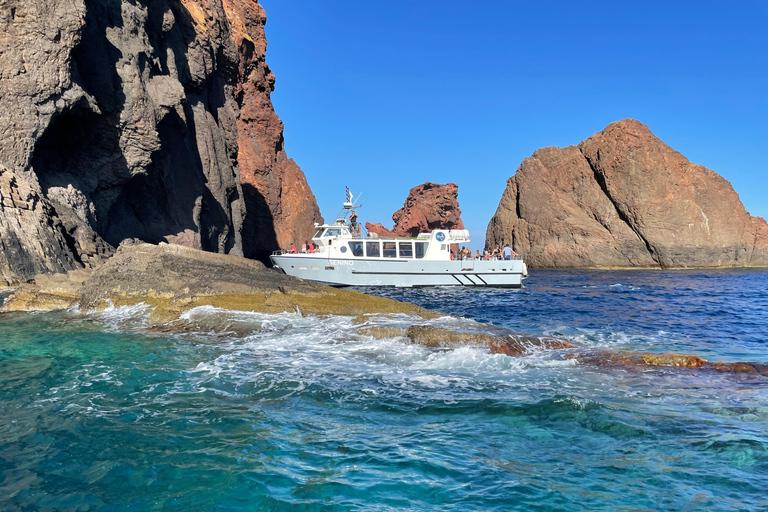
{"x":623,"y":198}
{"x":428,"y":206}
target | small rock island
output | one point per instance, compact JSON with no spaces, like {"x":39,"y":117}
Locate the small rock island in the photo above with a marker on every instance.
{"x":624,"y":199}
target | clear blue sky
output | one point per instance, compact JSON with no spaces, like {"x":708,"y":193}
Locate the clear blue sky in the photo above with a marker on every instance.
{"x":385,"y":95}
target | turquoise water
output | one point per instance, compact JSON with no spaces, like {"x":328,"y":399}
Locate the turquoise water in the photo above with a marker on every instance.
{"x":246,"y":411}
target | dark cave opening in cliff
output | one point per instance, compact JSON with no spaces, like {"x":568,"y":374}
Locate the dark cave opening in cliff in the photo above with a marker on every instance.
{"x":77,"y":160}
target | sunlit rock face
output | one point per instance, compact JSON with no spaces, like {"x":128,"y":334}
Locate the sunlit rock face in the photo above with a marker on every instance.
{"x":281,"y":207}
{"x":122,"y":119}
{"x":623,"y":198}
{"x":428,"y":206}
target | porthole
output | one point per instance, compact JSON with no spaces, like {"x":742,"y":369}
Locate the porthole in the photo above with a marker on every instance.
{"x":343,"y":248}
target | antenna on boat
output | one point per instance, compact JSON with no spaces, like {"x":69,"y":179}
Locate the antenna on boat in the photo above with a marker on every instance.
{"x":347,"y":207}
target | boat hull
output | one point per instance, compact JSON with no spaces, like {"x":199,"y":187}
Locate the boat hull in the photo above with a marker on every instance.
{"x":401,"y":272}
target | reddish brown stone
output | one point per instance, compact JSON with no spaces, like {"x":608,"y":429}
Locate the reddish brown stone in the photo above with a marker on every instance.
{"x":379,"y":229}
{"x":427,"y":207}
{"x":623,"y":198}
{"x":280,"y":207}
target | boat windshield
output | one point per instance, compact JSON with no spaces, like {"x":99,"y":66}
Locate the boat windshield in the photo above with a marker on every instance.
{"x":318,"y":233}
{"x":332,"y":232}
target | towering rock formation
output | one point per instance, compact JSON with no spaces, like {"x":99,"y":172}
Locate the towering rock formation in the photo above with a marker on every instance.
{"x":281,"y":207}
{"x":623,"y":198}
{"x":122,"y":119}
{"x":427,"y":207}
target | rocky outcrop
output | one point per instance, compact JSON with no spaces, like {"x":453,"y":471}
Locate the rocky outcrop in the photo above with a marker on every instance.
{"x":623,"y":198}
{"x":281,"y":207}
{"x":118,"y":120}
{"x":126,"y":119}
{"x":498,"y":340}
{"x":427,"y":207}
{"x":173,"y":279}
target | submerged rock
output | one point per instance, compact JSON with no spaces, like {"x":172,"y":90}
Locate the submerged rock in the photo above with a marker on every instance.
{"x":495,"y":339}
{"x":505,"y":341}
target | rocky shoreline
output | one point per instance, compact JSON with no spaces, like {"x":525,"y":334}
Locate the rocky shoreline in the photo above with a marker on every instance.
{"x":172,"y":280}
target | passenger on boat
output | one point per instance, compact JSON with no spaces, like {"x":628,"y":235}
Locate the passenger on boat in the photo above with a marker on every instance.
{"x":487,"y":254}
{"x":304,"y":248}
{"x":292,"y":249}
{"x":478,"y":256}
{"x":353,"y":224}
{"x":310,"y":247}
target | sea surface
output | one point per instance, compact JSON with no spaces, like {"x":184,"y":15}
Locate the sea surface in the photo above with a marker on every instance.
{"x":229,"y":411}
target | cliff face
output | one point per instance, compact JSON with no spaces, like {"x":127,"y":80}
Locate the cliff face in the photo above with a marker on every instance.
{"x":281,"y":207}
{"x":623,"y":198}
{"x":428,"y":206}
{"x":122,"y":119}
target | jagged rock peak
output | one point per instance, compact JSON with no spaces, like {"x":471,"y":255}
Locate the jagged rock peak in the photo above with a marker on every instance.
{"x":623,"y":198}
{"x":428,"y":206}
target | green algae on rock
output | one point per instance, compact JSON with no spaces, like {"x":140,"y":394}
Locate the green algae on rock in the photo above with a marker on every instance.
{"x":173,"y":279}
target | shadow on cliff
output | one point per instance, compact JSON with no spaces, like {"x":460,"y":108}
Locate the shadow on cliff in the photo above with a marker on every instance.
{"x":80,"y":149}
{"x":80,"y":160}
{"x":259,"y":237}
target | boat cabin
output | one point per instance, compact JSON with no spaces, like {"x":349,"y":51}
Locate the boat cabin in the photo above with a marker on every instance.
{"x":337,"y":241}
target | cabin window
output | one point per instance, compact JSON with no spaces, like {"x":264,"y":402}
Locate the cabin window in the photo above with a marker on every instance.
{"x":372,"y":249}
{"x":421,"y":249}
{"x":390,"y":250}
{"x":318,"y":234}
{"x":332,"y":232}
{"x":444,"y":247}
{"x":406,"y":249}
{"x":357,"y":248}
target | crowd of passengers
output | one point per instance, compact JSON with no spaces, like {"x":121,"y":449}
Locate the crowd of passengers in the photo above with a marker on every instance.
{"x":504,"y":253}
{"x":308,"y":247}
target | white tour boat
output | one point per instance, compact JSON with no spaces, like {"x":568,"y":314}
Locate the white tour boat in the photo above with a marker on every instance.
{"x":343,"y":258}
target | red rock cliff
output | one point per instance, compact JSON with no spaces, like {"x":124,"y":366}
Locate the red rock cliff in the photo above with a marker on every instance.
{"x":280,"y":206}
{"x":427,"y":207}
{"x":623,"y":198}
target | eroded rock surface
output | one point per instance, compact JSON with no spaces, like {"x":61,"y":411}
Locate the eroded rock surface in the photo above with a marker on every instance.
{"x":623,"y":198}
{"x":281,"y":207}
{"x":127,"y":119}
{"x":428,"y":206}
{"x":498,"y":340}
{"x":173,"y":279}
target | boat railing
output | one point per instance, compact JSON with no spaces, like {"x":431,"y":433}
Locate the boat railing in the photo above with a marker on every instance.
{"x":281,"y":252}
{"x":494,"y":258}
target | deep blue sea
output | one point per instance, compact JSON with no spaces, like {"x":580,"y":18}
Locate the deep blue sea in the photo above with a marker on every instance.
{"x":255,"y":412}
